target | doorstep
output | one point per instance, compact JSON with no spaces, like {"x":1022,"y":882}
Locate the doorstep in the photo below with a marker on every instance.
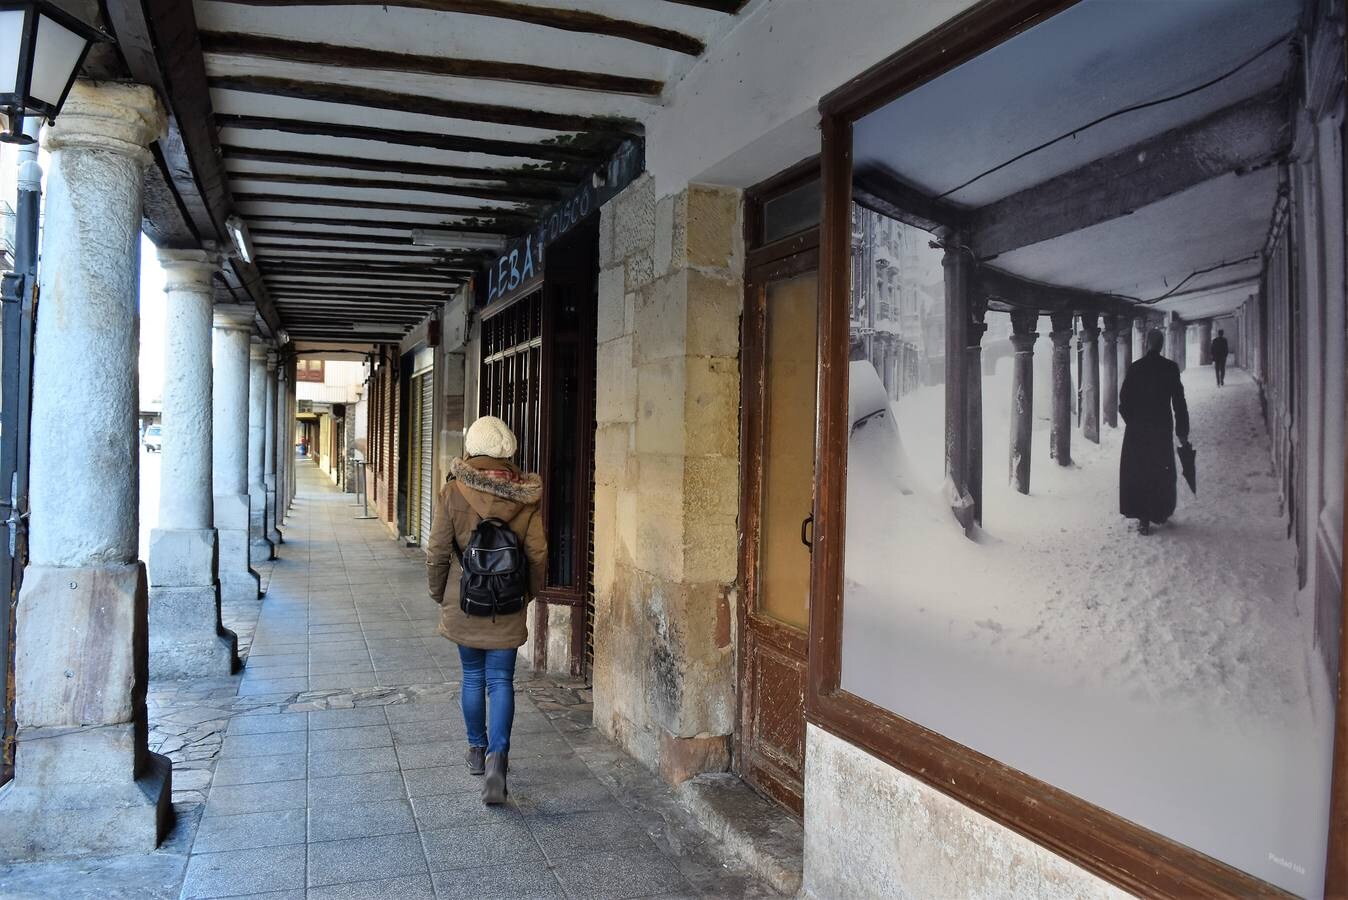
{"x":749,"y":829}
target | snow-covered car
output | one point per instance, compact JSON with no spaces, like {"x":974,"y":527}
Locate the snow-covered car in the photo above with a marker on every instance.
{"x":154,"y":438}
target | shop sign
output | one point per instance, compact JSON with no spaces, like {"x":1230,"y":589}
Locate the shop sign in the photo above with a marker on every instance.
{"x":519,"y":268}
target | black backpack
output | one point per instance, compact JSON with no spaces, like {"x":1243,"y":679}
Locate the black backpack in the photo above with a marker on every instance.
{"x":495,"y":579}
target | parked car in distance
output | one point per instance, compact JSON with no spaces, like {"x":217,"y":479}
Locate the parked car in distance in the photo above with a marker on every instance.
{"x":154,"y":438}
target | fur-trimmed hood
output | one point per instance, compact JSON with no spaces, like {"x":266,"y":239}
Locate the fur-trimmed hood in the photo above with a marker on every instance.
{"x":525,"y":489}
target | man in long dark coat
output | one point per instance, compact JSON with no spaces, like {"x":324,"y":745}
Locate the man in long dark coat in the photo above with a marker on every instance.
{"x":1151,"y":388}
{"x":1220,"y":350}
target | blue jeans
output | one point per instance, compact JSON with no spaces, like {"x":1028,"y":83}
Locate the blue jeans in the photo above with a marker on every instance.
{"x":488,"y":679}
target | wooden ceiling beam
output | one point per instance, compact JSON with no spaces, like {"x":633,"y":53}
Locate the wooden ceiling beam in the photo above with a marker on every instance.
{"x":379,"y":223}
{"x":361,"y":203}
{"x":371,"y":164}
{"x":729,"y":7}
{"x":401,"y":137}
{"x":427,"y":295}
{"x":406,"y":254}
{"x":266,"y":47}
{"x":506,"y":193}
{"x":339,"y":264}
{"x":362,"y":272}
{"x":346,"y":279}
{"x":369,"y":98}
{"x":573,"y":20}
{"x":340,"y":237}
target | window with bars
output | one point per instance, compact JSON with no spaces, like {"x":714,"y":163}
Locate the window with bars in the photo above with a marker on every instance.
{"x":511,"y":378}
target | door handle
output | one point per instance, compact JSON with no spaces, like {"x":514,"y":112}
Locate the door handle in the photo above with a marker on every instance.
{"x":807,"y":531}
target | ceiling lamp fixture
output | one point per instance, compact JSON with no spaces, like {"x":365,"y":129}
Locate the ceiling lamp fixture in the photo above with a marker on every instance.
{"x":456,"y":240}
{"x":41,"y":50}
{"x":239,"y":237}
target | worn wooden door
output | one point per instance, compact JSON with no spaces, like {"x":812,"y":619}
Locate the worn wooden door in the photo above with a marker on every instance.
{"x":779,"y":424}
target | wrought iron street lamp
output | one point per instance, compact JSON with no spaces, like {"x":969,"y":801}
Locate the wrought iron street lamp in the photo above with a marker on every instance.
{"x":41,"y":49}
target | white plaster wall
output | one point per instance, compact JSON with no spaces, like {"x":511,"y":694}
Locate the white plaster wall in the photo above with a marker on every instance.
{"x":746,"y":110}
{"x":874,"y":831}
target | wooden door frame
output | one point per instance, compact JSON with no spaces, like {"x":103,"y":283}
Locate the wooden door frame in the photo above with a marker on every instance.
{"x":765,"y":264}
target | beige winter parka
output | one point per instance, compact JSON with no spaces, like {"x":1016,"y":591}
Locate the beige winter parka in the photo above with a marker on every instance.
{"x":478,"y":491}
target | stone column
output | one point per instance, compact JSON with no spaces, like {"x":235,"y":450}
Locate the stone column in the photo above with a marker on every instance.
{"x":1205,"y":342}
{"x":1176,"y":334}
{"x":1023,"y":337}
{"x":1060,"y":438}
{"x":1090,"y":378}
{"x":229,"y":456}
{"x":1109,"y":372}
{"x":1125,"y":347}
{"x":273,"y":533}
{"x":956,"y":265}
{"x":84,"y":779}
{"x":260,"y":547}
{"x":973,"y":399}
{"x":187,"y":637}
{"x":282,"y":452}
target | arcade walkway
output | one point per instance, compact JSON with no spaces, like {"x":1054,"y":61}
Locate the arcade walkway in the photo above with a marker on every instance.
{"x":332,"y":766}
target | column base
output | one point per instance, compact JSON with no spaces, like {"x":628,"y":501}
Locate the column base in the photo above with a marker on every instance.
{"x":273,"y":531}
{"x":187,"y":639}
{"x":238,"y":580}
{"x":55,"y":820}
{"x":260,"y":546}
{"x":84,"y":779}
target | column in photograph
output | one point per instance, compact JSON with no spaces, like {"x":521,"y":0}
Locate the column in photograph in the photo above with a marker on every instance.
{"x":1060,"y":437}
{"x":229,"y":457}
{"x":956,"y":265}
{"x":1176,"y":335}
{"x":1023,"y":336}
{"x":1109,"y":372}
{"x":1125,"y":345}
{"x":260,"y":547}
{"x":84,"y":779}
{"x":282,"y":450}
{"x":1205,"y":342}
{"x":273,"y":533}
{"x":187,"y":638}
{"x":1090,"y":377}
{"x":973,"y":368}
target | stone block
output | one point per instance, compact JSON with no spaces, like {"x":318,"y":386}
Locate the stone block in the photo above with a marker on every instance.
{"x":663,"y":251}
{"x":187,"y":639}
{"x":661,"y":407}
{"x":659,"y":535}
{"x":712,"y":407}
{"x":640,"y":270}
{"x":634,"y":218}
{"x":182,"y":557}
{"x":605,"y":536}
{"x":260,"y":547}
{"x":685,"y":758}
{"x":713,"y":308}
{"x":715,"y":232}
{"x":615,"y":382}
{"x":606,"y":217}
{"x":231,"y":511}
{"x":710,"y":547}
{"x":610,"y":315}
{"x":612,"y":446}
{"x":88,"y":755}
{"x":747,"y":829}
{"x":80,"y":646}
{"x":628,"y":503}
{"x":711,"y":486}
{"x":661,"y":326}
{"x":559,"y":638}
{"x":45,"y":821}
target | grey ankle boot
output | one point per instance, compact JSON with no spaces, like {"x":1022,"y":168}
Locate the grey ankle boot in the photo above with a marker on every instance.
{"x":476,"y":758}
{"x":494,"y":788}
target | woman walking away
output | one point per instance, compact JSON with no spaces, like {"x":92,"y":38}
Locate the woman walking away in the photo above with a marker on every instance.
{"x":488,"y":527}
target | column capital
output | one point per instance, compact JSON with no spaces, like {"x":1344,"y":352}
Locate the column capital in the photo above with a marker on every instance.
{"x":1023,"y":342}
{"x":234,"y":316}
{"x":188,"y":269}
{"x":257,"y":349}
{"x":1062,"y":323}
{"x":1090,"y":326}
{"x":109,"y":116}
{"x":272,"y":359}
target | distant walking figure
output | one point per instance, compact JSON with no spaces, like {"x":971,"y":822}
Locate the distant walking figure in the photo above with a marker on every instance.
{"x":1147,"y":466}
{"x":1220,"y":351}
{"x":488,"y":523}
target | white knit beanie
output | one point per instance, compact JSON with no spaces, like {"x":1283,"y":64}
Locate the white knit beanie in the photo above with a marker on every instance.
{"x":489,"y":436}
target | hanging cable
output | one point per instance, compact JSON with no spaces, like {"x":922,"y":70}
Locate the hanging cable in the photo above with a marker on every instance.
{"x":1192,"y":275}
{"x":1140,"y":106}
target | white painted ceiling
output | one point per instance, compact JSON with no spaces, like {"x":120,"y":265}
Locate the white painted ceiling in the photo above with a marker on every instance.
{"x":332,"y":241}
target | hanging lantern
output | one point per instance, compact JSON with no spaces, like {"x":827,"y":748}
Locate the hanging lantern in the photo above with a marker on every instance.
{"x":41,"y":50}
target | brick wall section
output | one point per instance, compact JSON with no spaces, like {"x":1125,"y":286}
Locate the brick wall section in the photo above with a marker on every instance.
{"x":667,"y":474}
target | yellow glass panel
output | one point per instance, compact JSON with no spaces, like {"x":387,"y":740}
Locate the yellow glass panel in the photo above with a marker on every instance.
{"x":788,"y":449}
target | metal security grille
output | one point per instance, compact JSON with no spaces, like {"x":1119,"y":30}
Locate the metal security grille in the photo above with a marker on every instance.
{"x":511,"y":378}
{"x":426,"y":455}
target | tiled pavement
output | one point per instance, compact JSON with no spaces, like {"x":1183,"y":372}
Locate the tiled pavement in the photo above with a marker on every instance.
{"x":332,"y":767}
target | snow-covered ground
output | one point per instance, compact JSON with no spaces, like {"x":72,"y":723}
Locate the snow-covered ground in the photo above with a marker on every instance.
{"x":1170,"y":678}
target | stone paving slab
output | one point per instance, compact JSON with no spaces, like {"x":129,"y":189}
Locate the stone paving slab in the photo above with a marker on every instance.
{"x":332,"y":766}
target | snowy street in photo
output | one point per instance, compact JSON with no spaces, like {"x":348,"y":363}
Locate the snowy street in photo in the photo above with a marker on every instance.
{"x":1170,"y":678}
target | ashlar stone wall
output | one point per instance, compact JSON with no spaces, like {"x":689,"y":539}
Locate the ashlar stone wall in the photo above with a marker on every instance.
{"x":667,"y":474}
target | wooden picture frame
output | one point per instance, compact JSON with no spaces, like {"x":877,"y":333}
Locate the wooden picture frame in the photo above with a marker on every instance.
{"x":1117,"y":850}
